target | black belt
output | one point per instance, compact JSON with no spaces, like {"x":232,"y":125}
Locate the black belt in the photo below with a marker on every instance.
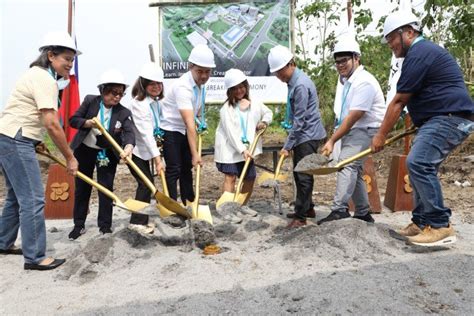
{"x":464,"y":115}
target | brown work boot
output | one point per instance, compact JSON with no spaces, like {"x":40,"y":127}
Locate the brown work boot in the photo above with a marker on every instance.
{"x":309,"y":214}
{"x":430,"y":236}
{"x":296,"y":223}
{"x":409,"y":231}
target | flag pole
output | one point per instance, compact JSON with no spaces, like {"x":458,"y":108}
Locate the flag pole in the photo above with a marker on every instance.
{"x":65,"y":93}
{"x":349,"y":11}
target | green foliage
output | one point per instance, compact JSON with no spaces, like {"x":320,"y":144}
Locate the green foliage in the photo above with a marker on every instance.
{"x":450,"y":23}
{"x":279,"y":31}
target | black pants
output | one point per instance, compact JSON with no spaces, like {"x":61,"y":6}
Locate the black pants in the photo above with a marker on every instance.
{"x":143,"y":193}
{"x":178,"y":166}
{"x":304,"y":182}
{"x":87,"y":157}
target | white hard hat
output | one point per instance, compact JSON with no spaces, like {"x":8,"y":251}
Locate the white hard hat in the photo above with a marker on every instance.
{"x":398,"y":19}
{"x":59,"y":38}
{"x":112,"y":76}
{"x":279,"y":57}
{"x":234,"y":77}
{"x":201,"y":55}
{"x":152,"y":71}
{"x":346,"y":43}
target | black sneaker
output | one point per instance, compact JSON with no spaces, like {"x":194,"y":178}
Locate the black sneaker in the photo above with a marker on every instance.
{"x":333,"y":216}
{"x":367,"y":218}
{"x":76,"y":232}
{"x":105,"y":230}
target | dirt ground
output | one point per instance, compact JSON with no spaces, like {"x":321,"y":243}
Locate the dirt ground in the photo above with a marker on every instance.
{"x":342,"y":267}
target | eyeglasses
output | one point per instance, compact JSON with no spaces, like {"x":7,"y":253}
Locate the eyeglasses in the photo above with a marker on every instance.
{"x":342,"y":61}
{"x":117,"y":94}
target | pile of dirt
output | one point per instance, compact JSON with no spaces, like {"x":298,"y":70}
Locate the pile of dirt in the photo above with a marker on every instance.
{"x":311,"y":162}
{"x":343,"y":242}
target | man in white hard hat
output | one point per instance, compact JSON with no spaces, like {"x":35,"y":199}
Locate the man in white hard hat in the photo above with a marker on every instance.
{"x":182,"y":116}
{"x":303,"y":124}
{"x":359,"y":108}
{"x":431,"y":84}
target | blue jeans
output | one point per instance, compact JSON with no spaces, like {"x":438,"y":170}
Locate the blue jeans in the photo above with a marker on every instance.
{"x":24,"y":203}
{"x":434,"y":141}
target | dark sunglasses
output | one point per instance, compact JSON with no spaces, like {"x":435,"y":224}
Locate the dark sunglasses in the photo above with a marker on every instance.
{"x":115,"y":93}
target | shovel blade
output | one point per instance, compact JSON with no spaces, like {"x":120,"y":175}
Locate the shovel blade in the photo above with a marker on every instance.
{"x":138,"y":207}
{"x":171,"y":205}
{"x":225,"y":197}
{"x":203,"y":213}
{"x":270,"y":176}
{"x":321,"y":171}
{"x":164,"y":212}
{"x":240,"y":198}
{"x":264,"y":177}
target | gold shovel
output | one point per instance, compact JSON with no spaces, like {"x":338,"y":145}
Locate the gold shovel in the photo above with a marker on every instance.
{"x":237,"y":196}
{"x":164,"y":212}
{"x":276,"y":176}
{"x":164,"y":200}
{"x":199,"y":211}
{"x":130,"y":205}
{"x":340,"y":165}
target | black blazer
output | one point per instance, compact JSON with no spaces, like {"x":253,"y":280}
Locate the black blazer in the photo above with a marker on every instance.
{"x":122,"y":132}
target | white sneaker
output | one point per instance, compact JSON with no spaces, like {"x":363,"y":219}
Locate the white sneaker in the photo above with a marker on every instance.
{"x":142,"y":229}
{"x":248,"y":211}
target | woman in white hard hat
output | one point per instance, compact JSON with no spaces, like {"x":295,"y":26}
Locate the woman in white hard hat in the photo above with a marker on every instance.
{"x":92,"y":149}
{"x":240,"y":118}
{"x":146,"y":112}
{"x":31,"y":108}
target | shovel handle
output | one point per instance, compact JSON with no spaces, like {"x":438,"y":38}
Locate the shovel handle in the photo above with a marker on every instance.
{"x":129,"y":161}
{"x":84,"y":178}
{"x":278,"y":167}
{"x":163,"y":183}
{"x":369,"y":151}
{"x":247,"y":162}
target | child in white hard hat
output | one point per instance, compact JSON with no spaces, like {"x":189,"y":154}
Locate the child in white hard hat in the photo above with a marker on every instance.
{"x":240,"y":118}
{"x":146,"y":112}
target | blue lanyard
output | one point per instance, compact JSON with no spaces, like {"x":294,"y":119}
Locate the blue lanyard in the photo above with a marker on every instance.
{"x":243,"y":124}
{"x":287,"y":124}
{"x":102,"y":156}
{"x":345,"y":92}
{"x":157,"y":131}
{"x":55,"y":77}
{"x":418,"y":39}
{"x":201,"y":124}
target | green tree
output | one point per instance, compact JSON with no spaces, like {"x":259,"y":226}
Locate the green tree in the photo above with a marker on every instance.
{"x":450,"y":23}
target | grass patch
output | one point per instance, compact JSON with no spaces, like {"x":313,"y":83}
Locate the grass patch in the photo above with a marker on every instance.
{"x":239,"y":51}
{"x":219,"y":28}
{"x":259,"y":25}
{"x":182,"y":45}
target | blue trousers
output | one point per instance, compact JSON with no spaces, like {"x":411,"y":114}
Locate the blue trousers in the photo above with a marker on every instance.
{"x":24,"y":203}
{"x":434,"y":141}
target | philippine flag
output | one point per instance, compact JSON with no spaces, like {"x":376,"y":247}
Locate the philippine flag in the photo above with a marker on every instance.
{"x":70,"y":100}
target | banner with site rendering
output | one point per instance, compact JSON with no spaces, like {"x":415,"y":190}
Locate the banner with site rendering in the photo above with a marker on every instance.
{"x":239,"y":33}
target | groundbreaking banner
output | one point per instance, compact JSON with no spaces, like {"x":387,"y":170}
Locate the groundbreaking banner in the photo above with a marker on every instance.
{"x":239,"y":33}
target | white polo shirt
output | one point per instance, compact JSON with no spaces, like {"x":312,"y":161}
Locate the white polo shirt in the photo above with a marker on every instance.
{"x":182,"y":96}
{"x":364,"y":94}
